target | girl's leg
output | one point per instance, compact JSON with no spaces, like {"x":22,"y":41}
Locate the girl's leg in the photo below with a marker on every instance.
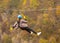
{"x":30,"y":30}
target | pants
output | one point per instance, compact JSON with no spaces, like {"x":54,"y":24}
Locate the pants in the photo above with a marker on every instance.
{"x":28,"y":29}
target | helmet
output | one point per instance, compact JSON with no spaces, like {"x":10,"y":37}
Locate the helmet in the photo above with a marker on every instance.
{"x":19,"y":16}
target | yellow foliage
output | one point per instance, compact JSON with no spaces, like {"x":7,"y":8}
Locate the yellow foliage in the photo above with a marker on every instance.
{"x":24,"y":2}
{"x":11,"y":28}
{"x":23,"y":15}
{"x":34,"y":3}
{"x":45,"y":15}
{"x":58,"y":10}
{"x":45,"y":19}
{"x":43,"y":41}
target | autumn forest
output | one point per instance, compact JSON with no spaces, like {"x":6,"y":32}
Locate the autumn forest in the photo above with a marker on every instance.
{"x":42,"y":15}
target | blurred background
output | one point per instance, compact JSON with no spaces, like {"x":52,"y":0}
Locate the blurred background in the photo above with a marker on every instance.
{"x":42,"y":15}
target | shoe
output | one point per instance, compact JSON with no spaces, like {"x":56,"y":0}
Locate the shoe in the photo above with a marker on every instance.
{"x":31,"y":32}
{"x":38,"y":33}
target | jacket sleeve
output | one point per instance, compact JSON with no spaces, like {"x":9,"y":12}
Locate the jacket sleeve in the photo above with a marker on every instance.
{"x":15,"y":25}
{"x":24,"y":21}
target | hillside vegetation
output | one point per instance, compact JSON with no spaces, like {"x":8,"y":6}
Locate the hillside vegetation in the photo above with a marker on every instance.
{"x":42,"y":15}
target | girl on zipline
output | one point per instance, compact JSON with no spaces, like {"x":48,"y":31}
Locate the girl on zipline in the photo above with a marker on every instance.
{"x":22,"y":24}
